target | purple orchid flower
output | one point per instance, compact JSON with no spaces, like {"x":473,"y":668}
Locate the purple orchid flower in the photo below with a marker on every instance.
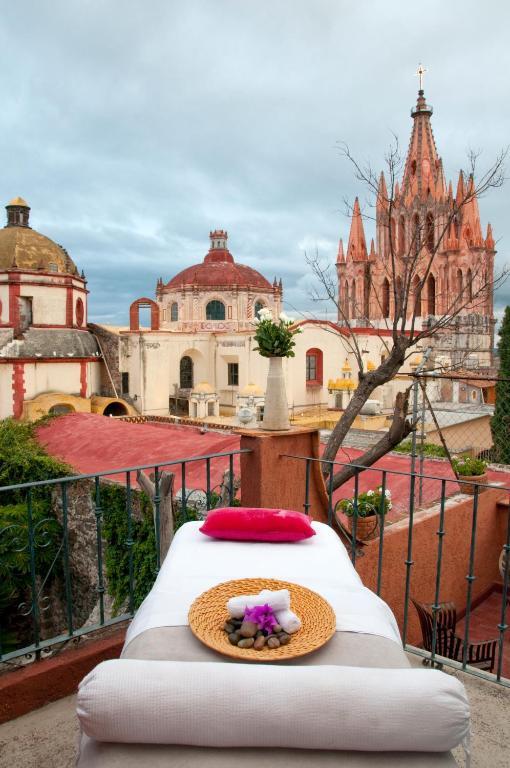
{"x":262,"y":616}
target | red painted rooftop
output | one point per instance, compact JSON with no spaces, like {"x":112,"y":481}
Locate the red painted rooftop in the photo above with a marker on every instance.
{"x":91,"y":443}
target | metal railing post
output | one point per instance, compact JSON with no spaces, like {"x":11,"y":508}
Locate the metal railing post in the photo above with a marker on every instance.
{"x":157,"y":518}
{"x":470,"y":577}
{"x":99,"y":545}
{"x":503,"y":626}
{"x":129,"y":543}
{"x":65,"y":555}
{"x":440,"y":535}
{"x":33,"y":579}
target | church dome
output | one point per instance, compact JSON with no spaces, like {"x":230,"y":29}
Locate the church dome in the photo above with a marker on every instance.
{"x":219,"y":270}
{"x":21,"y":247}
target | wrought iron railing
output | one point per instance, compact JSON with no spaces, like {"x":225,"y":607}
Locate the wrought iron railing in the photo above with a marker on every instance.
{"x":35,"y":536}
{"x":463,"y":646}
{"x":25,"y":540}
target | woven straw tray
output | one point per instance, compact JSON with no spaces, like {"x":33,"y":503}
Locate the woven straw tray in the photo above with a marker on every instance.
{"x":209,"y":612}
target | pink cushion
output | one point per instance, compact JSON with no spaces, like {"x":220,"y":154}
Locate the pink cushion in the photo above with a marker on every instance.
{"x":252,"y":524}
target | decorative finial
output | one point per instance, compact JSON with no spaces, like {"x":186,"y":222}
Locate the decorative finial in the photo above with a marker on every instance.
{"x":419,"y":73}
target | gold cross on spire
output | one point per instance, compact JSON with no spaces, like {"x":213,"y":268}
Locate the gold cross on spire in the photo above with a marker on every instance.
{"x":419,"y":73}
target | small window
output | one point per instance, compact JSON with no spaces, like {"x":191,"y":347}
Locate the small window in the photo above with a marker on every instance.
{"x":311,"y":368}
{"x":233,"y":374}
{"x":186,"y":372}
{"x":215,"y":310}
{"x":174,"y":312}
{"x":314,"y":367}
{"x":124,"y":383}
{"x":52,"y":267}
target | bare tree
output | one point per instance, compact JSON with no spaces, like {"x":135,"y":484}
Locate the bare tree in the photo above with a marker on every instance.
{"x":407,"y":272}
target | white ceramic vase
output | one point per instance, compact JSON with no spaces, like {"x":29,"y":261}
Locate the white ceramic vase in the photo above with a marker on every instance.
{"x":276,"y":409}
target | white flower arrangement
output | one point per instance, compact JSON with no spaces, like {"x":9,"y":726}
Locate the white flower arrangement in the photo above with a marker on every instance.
{"x":274,"y":337}
{"x":368,"y":503}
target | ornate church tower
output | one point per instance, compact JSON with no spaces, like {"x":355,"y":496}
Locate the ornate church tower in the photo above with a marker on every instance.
{"x":419,"y":218}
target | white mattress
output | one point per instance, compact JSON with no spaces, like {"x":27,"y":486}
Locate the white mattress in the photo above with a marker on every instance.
{"x":196,"y":563}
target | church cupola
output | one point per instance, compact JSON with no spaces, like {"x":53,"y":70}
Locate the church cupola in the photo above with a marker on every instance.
{"x":17,"y":213}
{"x":218,"y":239}
{"x":218,"y":250}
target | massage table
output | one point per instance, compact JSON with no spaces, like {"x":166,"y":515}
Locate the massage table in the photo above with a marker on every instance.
{"x":366,"y":637}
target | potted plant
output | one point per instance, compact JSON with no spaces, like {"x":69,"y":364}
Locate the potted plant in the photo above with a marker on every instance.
{"x":275,"y":340}
{"x":472,"y":470}
{"x":371,"y":505}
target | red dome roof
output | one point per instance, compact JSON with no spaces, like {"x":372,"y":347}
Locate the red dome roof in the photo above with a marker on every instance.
{"x":219,"y":269}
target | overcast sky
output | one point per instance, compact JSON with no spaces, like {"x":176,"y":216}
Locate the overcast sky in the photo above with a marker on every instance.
{"x":133,"y":127}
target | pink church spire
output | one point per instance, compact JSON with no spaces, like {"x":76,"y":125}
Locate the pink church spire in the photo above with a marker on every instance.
{"x":422,"y":167}
{"x":382,"y":194}
{"x":489,"y":240}
{"x":471,"y":227}
{"x":357,"y":248}
{"x":340,"y":258}
{"x":461,"y":191}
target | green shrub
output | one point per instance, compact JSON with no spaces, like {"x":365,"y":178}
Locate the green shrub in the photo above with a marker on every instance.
{"x":465,"y":466}
{"x":427,"y":449}
{"x":24,"y":460}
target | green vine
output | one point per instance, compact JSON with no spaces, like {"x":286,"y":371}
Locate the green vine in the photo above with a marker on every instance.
{"x":24,"y":460}
{"x":115,"y":531}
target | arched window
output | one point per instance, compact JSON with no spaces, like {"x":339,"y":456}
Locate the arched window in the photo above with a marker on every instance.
{"x":186,"y":373}
{"x":258,"y":306}
{"x":417,"y":295}
{"x":353,"y":299}
{"x":431,"y":295}
{"x":80,"y":312}
{"x":400,"y":298}
{"x":345,"y":301}
{"x":134,"y":314}
{"x":174,"y":312}
{"x":215,"y":310}
{"x":469,"y":284}
{"x":416,"y":234}
{"x":430,"y":232}
{"x":314,"y":368}
{"x":385,"y":298}
{"x":460,"y":285}
{"x":402,"y":236}
{"x":393,"y":231}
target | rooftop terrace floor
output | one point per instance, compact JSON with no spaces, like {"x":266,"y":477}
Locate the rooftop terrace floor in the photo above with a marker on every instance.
{"x":47,"y":737}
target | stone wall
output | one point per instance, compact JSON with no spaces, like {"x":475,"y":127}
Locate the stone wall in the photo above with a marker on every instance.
{"x":82,"y":537}
{"x":109,"y":343}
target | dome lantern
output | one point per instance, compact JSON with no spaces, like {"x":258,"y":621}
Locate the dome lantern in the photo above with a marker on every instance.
{"x":18,"y":211}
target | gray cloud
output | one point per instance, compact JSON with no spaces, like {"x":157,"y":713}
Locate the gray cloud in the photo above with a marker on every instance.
{"x":133,"y":128}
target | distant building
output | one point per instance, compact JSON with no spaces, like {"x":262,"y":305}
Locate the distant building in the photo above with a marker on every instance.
{"x":198,"y":358}
{"x":463,"y":263}
{"x":49,"y":361}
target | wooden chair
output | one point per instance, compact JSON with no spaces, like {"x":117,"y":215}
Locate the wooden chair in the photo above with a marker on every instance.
{"x":481,"y":655}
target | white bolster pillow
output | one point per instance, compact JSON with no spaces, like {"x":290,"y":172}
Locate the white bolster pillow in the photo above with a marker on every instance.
{"x":212,"y":704}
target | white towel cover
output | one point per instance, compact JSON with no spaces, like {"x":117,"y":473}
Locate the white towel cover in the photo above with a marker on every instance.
{"x":242,"y":705}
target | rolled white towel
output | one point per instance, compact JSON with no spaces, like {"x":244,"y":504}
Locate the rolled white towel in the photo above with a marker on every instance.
{"x":288,"y":621}
{"x":278,"y":600}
